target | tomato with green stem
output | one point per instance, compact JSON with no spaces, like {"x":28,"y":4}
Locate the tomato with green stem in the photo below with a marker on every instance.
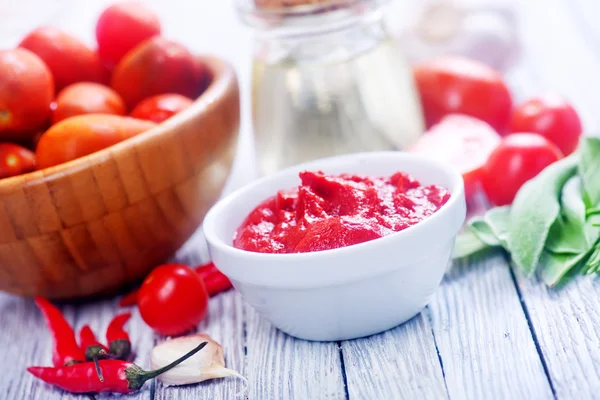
{"x":518,"y":158}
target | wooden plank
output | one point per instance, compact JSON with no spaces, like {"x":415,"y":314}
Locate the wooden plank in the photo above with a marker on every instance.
{"x":398,"y":364}
{"x":482,"y":334}
{"x":567,"y":327}
{"x":281,"y":367}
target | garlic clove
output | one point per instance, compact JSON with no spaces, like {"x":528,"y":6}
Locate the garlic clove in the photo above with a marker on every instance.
{"x":209,"y":363}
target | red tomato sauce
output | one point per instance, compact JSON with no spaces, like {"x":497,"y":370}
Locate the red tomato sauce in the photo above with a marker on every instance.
{"x":331,"y":211}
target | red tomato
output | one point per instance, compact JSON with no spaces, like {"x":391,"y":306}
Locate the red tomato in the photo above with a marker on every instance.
{"x":463,"y":142}
{"x":173,"y":299}
{"x":203,"y":76}
{"x":69,"y":59}
{"x":87,"y":98}
{"x":156,"y":66}
{"x":161,"y":107}
{"x":123,"y":26}
{"x":518,"y":158}
{"x":15,"y":160}
{"x":26,"y":92}
{"x":552,"y":117}
{"x":81,"y":135}
{"x":458,"y":85}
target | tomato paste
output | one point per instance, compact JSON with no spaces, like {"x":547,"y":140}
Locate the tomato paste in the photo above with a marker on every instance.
{"x":330,"y":211}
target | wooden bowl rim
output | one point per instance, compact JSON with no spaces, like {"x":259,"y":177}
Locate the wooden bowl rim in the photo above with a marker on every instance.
{"x":223,"y":76}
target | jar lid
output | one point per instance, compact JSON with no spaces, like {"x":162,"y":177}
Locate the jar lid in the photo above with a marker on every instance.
{"x":304,"y":16}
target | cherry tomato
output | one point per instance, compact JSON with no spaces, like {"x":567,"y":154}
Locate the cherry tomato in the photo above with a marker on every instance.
{"x":161,"y":107}
{"x":518,"y":158}
{"x":15,"y":160}
{"x":203,"y":76}
{"x":552,"y":117}
{"x":85,"y":134}
{"x":156,"y":66}
{"x":463,"y":142}
{"x":123,"y":26}
{"x":173,"y":299}
{"x":458,"y":85}
{"x":69,"y":59}
{"x":26,"y":91}
{"x":87,"y":98}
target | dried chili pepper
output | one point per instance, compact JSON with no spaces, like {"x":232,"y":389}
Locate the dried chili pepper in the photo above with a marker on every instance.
{"x":119,"y":376}
{"x":119,"y":345}
{"x":214,"y":280}
{"x":65,"y":352}
{"x":94,"y":350}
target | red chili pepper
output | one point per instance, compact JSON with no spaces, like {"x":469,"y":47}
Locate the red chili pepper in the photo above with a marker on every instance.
{"x":119,"y":344}
{"x":65,"y":352}
{"x":94,"y":350}
{"x":214,"y":280}
{"x":129,"y":299}
{"x":119,"y":376}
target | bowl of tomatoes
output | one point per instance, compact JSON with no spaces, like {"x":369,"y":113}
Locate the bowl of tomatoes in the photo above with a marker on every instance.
{"x":109,"y":158}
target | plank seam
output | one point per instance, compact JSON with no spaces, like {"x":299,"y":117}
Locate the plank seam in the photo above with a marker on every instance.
{"x":536,"y":342}
{"x":343,"y":367}
{"x":153,"y":389}
{"x":437,"y":350}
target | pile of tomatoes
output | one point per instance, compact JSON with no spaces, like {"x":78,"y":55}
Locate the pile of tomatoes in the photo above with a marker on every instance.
{"x":473,"y":124}
{"x":61,"y":100}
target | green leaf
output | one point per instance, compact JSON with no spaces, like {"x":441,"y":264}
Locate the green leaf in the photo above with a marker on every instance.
{"x":498,"y":219}
{"x":589,"y":169}
{"x":568,"y":233}
{"x":533,"y":212}
{"x":483,"y":231}
{"x":467,"y":244}
{"x":566,"y":237}
{"x":554,"y":267}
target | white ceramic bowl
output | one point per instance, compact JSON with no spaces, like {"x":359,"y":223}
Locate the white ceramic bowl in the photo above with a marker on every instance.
{"x":352,"y":291}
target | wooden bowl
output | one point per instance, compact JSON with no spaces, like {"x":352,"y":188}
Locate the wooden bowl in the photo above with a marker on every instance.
{"x":91,"y":225}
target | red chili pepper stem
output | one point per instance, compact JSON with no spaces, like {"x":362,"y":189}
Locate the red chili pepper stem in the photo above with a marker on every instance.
{"x":94,"y":350}
{"x":119,"y":345}
{"x":121,"y":376}
{"x":120,"y":349}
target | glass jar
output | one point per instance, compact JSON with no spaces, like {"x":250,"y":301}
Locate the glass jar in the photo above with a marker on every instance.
{"x":327,"y":79}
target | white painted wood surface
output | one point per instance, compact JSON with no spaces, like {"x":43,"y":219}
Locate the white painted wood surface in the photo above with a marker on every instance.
{"x":485,"y":335}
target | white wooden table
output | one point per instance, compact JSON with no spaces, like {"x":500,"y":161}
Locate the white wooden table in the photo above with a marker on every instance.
{"x":487,"y":334}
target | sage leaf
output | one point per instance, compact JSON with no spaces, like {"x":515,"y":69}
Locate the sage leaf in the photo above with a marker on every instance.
{"x":483,"y":231}
{"x":498,"y":219}
{"x":568,"y":233}
{"x":589,"y":169}
{"x":467,"y":244}
{"x":533,"y":212}
{"x":554,"y":267}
